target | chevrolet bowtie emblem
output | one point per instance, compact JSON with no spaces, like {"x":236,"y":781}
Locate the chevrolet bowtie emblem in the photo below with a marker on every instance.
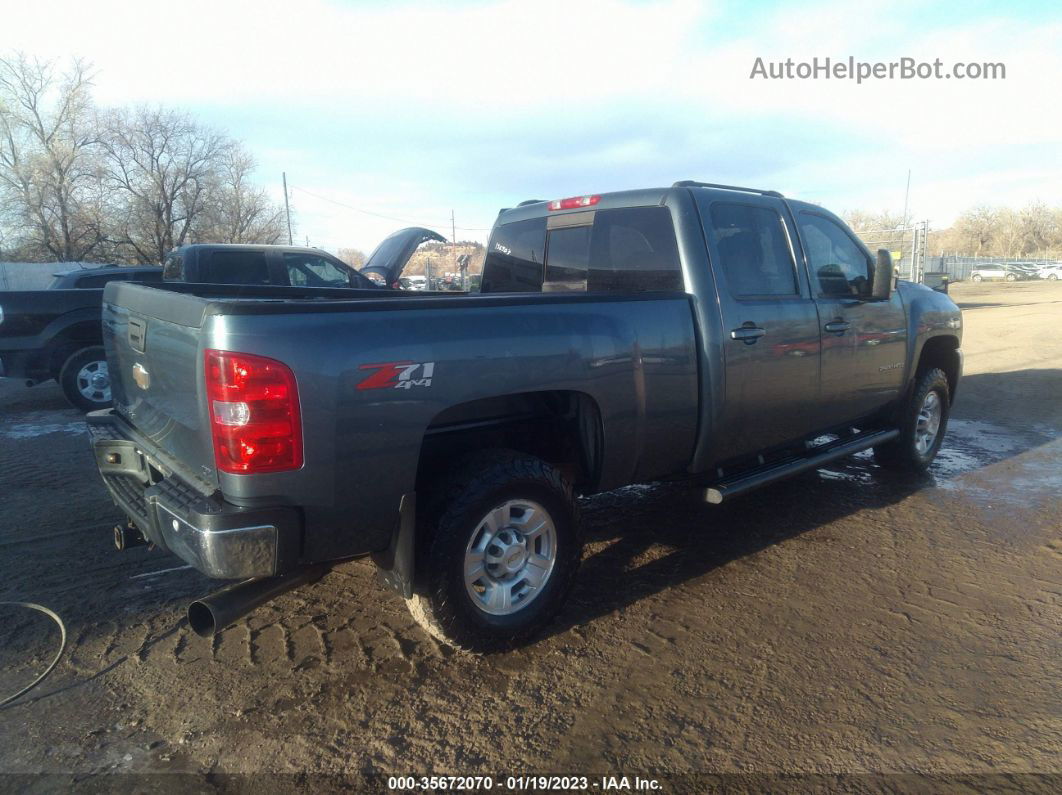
{"x":141,"y":376}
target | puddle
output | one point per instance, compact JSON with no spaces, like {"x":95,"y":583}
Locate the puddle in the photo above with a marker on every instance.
{"x":31,"y":424}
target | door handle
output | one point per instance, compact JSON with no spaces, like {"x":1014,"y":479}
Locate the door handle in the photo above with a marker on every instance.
{"x":837,"y":326}
{"x":747,"y":334}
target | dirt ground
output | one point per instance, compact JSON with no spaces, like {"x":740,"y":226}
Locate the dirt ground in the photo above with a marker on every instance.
{"x":848,"y":621}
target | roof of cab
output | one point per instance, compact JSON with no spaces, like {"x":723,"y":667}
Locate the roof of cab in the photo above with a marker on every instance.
{"x":617,"y":199}
{"x":187,"y":247}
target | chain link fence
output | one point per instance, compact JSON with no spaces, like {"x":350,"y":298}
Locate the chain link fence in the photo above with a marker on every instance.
{"x":960,"y":267}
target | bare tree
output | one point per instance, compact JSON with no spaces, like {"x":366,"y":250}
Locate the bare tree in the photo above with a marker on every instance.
{"x":354,"y":257}
{"x":162,"y":164}
{"x":50,"y":175}
{"x":236,"y":210}
{"x":977,"y":228}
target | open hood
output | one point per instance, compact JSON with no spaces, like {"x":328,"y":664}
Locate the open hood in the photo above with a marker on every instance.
{"x":391,"y":256}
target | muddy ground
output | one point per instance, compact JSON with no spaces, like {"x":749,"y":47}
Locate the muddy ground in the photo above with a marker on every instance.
{"x":846,"y":621}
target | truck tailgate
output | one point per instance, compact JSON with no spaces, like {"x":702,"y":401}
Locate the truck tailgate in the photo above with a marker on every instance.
{"x":154,"y":352}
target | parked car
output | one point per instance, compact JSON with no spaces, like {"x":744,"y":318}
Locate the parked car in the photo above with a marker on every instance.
{"x":1010,"y":271}
{"x":55,"y":333}
{"x":290,"y":266}
{"x":1051,"y":272}
{"x":700,"y":332}
{"x":413,"y":282}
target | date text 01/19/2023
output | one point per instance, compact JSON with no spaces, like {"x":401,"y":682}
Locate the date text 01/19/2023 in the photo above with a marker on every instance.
{"x":533,"y":783}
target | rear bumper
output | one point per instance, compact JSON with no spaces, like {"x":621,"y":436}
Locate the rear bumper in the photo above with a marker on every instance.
{"x":216,"y":537}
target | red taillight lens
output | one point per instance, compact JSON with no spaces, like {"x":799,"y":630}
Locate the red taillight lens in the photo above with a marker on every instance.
{"x":254,"y":413}
{"x":574,"y":202}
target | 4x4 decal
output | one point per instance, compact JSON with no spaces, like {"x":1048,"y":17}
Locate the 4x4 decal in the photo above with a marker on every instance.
{"x":397,"y":375}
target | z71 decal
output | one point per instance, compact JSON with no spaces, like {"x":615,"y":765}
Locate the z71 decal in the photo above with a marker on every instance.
{"x":397,"y":375}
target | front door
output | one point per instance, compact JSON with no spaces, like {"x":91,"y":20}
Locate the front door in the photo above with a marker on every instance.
{"x":770,"y":324}
{"x":864,"y":342}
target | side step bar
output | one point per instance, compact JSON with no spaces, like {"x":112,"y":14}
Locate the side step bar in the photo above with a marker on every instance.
{"x":747,"y":481}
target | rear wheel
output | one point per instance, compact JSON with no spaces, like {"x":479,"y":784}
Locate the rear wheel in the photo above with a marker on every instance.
{"x":85,"y":380}
{"x":1010,"y":277}
{"x":923,"y":422}
{"x":1053,"y":277}
{"x":977,"y":278}
{"x":502,"y":553}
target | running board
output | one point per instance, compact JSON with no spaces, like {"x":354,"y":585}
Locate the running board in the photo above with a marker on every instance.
{"x":747,"y":481}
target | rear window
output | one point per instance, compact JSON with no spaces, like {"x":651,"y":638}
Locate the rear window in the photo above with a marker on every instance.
{"x":515,"y":256}
{"x":567,"y":258}
{"x":235,"y":267}
{"x":625,"y":250}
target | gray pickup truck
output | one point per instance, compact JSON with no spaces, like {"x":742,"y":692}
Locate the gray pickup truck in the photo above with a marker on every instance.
{"x":726,"y":336}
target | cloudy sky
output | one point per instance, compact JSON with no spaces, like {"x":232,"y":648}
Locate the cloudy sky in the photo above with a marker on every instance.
{"x":411,"y":109}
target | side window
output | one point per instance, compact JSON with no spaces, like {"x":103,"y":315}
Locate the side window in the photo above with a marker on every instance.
{"x":150,"y":277}
{"x":839,"y":265}
{"x":309,"y":270}
{"x":173,"y":268}
{"x":235,"y":267}
{"x":567,"y":258}
{"x":634,"y":250}
{"x":754,"y":250}
{"x":515,"y":256}
{"x":90,"y":282}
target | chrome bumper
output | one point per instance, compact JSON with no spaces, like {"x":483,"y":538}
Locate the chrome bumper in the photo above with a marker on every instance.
{"x":219,"y":539}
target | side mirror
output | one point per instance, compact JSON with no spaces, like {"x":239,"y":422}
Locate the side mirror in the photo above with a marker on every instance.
{"x":881,"y":289}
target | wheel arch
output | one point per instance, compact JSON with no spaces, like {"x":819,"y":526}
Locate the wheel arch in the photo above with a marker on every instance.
{"x":562,"y":427}
{"x":943,"y":352}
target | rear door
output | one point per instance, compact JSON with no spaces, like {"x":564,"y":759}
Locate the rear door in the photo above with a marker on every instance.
{"x":864,"y":342}
{"x":770,"y":323}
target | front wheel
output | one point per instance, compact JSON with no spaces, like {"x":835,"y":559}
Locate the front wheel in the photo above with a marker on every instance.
{"x":923,"y":421}
{"x":1011,"y":277}
{"x":977,"y":278}
{"x":85,"y":380}
{"x":502,"y":553}
{"x":1052,"y":277}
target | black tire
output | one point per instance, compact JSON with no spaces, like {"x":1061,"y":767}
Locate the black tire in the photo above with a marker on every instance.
{"x":903,"y":453}
{"x":1010,"y":277}
{"x":77,"y":389}
{"x":441,"y":602}
{"x":977,"y":278}
{"x":1053,"y":277}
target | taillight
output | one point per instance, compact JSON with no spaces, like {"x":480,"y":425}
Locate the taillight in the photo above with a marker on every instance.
{"x":254,"y":413}
{"x":574,"y":202}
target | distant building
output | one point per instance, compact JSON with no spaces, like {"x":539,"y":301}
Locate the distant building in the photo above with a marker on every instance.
{"x":34,"y":275}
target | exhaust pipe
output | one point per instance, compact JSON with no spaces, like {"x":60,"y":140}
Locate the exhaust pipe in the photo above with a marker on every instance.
{"x":213,"y":613}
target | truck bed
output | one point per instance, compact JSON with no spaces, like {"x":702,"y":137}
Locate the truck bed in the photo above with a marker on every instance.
{"x":633,"y":355}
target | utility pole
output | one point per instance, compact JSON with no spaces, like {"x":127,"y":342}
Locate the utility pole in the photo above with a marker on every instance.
{"x":906,"y":196}
{"x":287,"y":208}
{"x":453,"y":241}
{"x":903,"y":234}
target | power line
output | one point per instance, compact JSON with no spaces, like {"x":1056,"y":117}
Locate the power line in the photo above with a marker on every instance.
{"x":388,"y":217}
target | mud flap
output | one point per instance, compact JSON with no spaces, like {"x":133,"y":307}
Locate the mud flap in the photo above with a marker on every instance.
{"x":395,"y":564}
